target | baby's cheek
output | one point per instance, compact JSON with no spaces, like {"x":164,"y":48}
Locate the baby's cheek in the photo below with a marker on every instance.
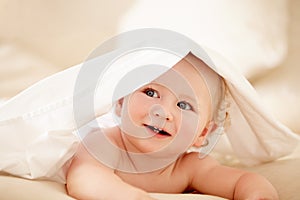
{"x":189,"y":128}
{"x":137,"y":106}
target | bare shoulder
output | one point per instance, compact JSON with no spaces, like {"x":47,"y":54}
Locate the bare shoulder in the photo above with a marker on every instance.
{"x":190,"y":167}
{"x":191,"y":161}
{"x":87,"y":178}
{"x":204,"y":168}
{"x":82,"y":155}
{"x":84,"y":163}
{"x":207,"y":176}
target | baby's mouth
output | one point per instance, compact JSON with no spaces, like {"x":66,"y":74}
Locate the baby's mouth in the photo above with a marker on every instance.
{"x":158,"y":130}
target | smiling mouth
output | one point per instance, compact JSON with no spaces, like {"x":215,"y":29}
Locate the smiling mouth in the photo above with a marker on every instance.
{"x":158,"y":130}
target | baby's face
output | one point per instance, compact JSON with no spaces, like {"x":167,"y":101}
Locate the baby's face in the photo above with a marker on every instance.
{"x":168,"y":114}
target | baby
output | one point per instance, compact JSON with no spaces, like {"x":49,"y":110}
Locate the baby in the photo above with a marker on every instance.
{"x":162,"y":120}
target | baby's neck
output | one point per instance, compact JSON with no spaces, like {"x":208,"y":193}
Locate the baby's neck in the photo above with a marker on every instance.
{"x":133,"y":160}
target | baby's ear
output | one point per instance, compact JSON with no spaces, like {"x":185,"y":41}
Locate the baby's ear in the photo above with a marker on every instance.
{"x":118,"y":107}
{"x":211,"y":126}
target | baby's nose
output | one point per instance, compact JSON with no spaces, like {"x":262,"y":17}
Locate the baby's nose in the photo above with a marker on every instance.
{"x":158,"y":111}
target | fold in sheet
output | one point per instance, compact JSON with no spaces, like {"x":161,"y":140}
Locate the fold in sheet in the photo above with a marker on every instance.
{"x":38,"y":127}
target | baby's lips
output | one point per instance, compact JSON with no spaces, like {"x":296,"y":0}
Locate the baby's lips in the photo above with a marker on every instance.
{"x":158,"y":130}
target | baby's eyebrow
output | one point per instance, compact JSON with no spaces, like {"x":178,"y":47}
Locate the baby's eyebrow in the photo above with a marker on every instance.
{"x":188,"y":98}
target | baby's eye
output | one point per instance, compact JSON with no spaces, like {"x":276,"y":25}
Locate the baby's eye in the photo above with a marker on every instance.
{"x":151,"y":93}
{"x":184,"y":105}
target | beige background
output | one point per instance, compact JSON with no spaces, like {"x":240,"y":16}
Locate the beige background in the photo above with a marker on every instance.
{"x":39,"y":38}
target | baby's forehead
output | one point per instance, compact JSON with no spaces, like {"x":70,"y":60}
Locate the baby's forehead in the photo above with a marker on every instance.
{"x":189,"y":69}
{"x":215,"y":84}
{"x":185,"y":80}
{"x":192,"y":76}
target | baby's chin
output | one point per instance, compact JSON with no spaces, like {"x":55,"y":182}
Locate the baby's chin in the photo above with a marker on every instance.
{"x":148,"y":141}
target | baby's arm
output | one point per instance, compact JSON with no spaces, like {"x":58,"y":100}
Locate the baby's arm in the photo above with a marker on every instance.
{"x":230,"y":183}
{"x":88,"y":179}
{"x":253,"y":186}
